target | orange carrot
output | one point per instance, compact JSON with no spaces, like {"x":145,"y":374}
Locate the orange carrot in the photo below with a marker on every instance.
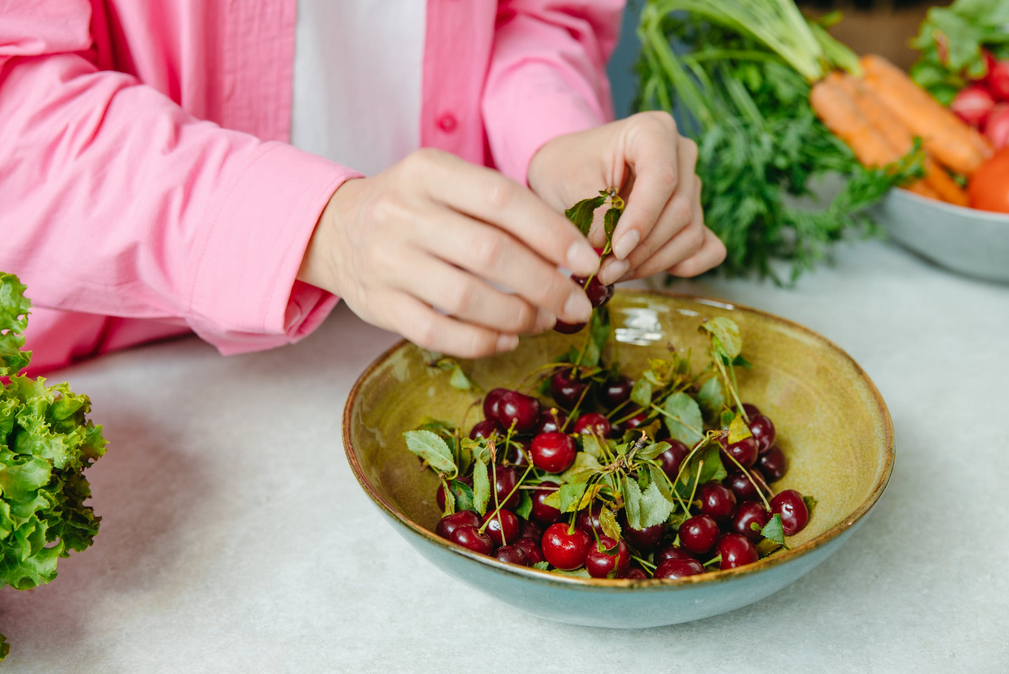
{"x":839,"y":114}
{"x":898,"y":137}
{"x":945,"y":136}
{"x":922,"y":188}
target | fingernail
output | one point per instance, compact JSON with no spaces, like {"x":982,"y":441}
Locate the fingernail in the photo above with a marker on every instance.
{"x":582,"y":259}
{"x":613,"y":271}
{"x":507,"y":343}
{"x":577,"y":308}
{"x":544,"y":321}
{"x":626,"y":243}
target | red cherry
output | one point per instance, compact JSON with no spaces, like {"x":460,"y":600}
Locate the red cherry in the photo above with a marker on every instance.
{"x":503,"y":527}
{"x":699,"y":534}
{"x":630,"y":424}
{"x":485,"y":429}
{"x":470,"y":537}
{"x":588,"y":520}
{"x":566,"y":389}
{"x":744,"y":452}
{"x":542,"y":513}
{"x":736,"y":551}
{"x":565,"y":549}
{"x":553,"y":452}
{"x":793,"y":511}
{"x":592,"y":422}
{"x":515,"y":454}
{"x":616,"y":391}
{"x":531,"y":548}
{"x":449,"y":523}
{"x":597,"y":293}
{"x":750,"y":410}
{"x":518,"y":411}
{"x":456,"y":491}
{"x":717,"y":501}
{"x":530,"y":530}
{"x":774,"y":464}
{"x":603,"y":561}
{"x":550,"y":421}
{"x":568,"y":328}
{"x":763,"y":431}
{"x":671,"y":459}
{"x":512,"y":554}
{"x":490,"y":403}
{"x":747,"y":514}
{"x":667,"y":552}
{"x":678,"y":568}
{"x":636,"y":574}
{"x":505,"y":478}
{"x":646,"y":539}
{"x":743,"y":488}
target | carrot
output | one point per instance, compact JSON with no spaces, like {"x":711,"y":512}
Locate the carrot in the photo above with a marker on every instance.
{"x":899,"y":138}
{"x":922,"y":188}
{"x":946,"y":137}
{"x":839,"y":114}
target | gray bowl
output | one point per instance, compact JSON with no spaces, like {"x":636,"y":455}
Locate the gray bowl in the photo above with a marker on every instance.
{"x":972,"y":242}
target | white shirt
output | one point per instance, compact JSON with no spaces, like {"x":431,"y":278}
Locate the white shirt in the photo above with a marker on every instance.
{"x":358,"y":67}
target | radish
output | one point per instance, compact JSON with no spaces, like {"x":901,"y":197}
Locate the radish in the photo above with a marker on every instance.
{"x":997,"y":80}
{"x":973,"y":104}
{"x":996,"y":129}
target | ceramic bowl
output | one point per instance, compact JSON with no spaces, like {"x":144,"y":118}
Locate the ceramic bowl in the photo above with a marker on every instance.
{"x":831,"y":423}
{"x":972,"y":242}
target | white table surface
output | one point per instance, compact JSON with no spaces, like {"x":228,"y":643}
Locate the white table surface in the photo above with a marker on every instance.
{"x":235,"y":539}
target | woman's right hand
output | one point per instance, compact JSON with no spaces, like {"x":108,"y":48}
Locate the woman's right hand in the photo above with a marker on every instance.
{"x":416,"y":249}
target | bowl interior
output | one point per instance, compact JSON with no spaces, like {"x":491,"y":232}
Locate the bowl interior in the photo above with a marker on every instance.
{"x":831,"y":423}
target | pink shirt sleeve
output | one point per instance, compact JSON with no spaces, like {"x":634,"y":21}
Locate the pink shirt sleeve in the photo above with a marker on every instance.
{"x":115,"y":201}
{"x":547,"y":75}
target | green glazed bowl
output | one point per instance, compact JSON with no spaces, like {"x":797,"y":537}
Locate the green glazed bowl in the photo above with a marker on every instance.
{"x":830,"y":420}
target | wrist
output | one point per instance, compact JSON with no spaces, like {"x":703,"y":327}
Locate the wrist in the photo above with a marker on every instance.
{"x":320,"y":265}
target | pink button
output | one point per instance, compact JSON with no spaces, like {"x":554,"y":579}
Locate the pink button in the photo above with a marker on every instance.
{"x":447,"y":122}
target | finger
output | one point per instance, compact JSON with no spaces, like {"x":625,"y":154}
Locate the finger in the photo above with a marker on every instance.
{"x":429,"y":330}
{"x":654,"y":155}
{"x":487,"y":195}
{"x":467,"y":298}
{"x":683,"y":245}
{"x":490,"y":253}
{"x":711,"y":254}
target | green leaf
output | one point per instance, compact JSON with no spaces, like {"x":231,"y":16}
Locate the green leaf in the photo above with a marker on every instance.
{"x":810,"y":504}
{"x":584,"y":463}
{"x":773,"y":530}
{"x":592,"y":446}
{"x":583,"y":212}
{"x":652,"y":450}
{"x":660,"y":480}
{"x":608,"y":523}
{"x":712,"y":396}
{"x":580,"y":572}
{"x":683,"y":418}
{"x":610,"y":221}
{"x":713,"y":468}
{"x":458,"y":380}
{"x":725,"y":419}
{"x":726,"y":332}
{"x":641,"y":394}
{"x":738,"y":430}
{"x":481,"y":486}
{"x":740,"y":361}
{"x":449,"y":499}
{"x":525,"y":505}
{"x":644,"y":509}
{"x":432,"y":449}
{"x":570,"y":495}
{"x":542,"y":566}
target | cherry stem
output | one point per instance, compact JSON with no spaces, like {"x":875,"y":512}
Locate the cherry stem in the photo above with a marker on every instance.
{"x":750,"y":478}
{"x":677,"y":420}
{"x":700,"y":465}
{"x":647,"y":565}
{"x":574,"y":410}
{"x":714,"y":560}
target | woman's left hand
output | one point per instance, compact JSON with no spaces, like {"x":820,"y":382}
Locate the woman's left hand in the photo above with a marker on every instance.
{"x":652,"y":166}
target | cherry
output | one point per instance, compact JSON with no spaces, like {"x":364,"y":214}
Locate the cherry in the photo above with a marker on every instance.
{"x":468,"y":536}
{"x":636,"y":574}
{"x":645,"y":539}
{"x":449,"y":523}
{"x":751,"y":410}
{"x":490,"y":402}
{"x":592,"y":422}
{"x":512,"y":554}
{"x":456,"y":491}
{"x":597,"y":293}
{"x":588,"y":520}
{"x":531,"y":548}
{"x":505,"y":479}
{"x":515,"y":454}
{"x":671,"y":459}
{"x":530,"y":530}
{"x":550,"y":421}
{"x":568,"y":328}
{"x":616,"y":392}
{"x":519,"y":410}
{"x":603,"y":561}
{"x":744,"y":452}
{"x":718,"y":502}
{"x":678,"y":568}
{"x":553,"y":452}
{"x":629,"y":424}
{"x":542,"y":513}
{"x":793,"y":511}
{"x":564,"y":547}
{"x":667,"y":552}
{"x":747,"y":514}
{"x":567,"y":390}
{"x":699,"y":534}
{"x":503,"y":524}
{"x":763,"y":431}
{"x":736,"y":551}
{"x":743,"y":488}
{"x":774,"y":464}
{"x":485,"y":429}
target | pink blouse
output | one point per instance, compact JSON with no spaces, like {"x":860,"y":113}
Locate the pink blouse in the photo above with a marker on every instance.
{"x":146,"y":185}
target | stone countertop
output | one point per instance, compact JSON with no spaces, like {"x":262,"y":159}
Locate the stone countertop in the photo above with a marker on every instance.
{"x":235,"y":538}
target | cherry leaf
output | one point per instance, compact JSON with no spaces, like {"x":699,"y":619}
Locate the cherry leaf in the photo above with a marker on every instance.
{"x":641,"y":394}
{"x":525,"y":505}
{"x":683,"y":418}
{"x":711,"y":396}
{"x":738,"y":430}
{"x":608,"y":523}
{"x":481,"y":486}
{"x":773,"y":530}
{"x":726,"y":332}
{"x":432,"y":449}
{"x":582,"y":213}
{"x":542,"y":566}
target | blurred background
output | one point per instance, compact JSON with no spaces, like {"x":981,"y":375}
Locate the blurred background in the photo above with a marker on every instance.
{"x":878,"y":26}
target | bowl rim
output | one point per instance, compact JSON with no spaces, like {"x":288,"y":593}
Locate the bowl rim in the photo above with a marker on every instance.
{"x":710,"y":577}
{"x":990,"y":217}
